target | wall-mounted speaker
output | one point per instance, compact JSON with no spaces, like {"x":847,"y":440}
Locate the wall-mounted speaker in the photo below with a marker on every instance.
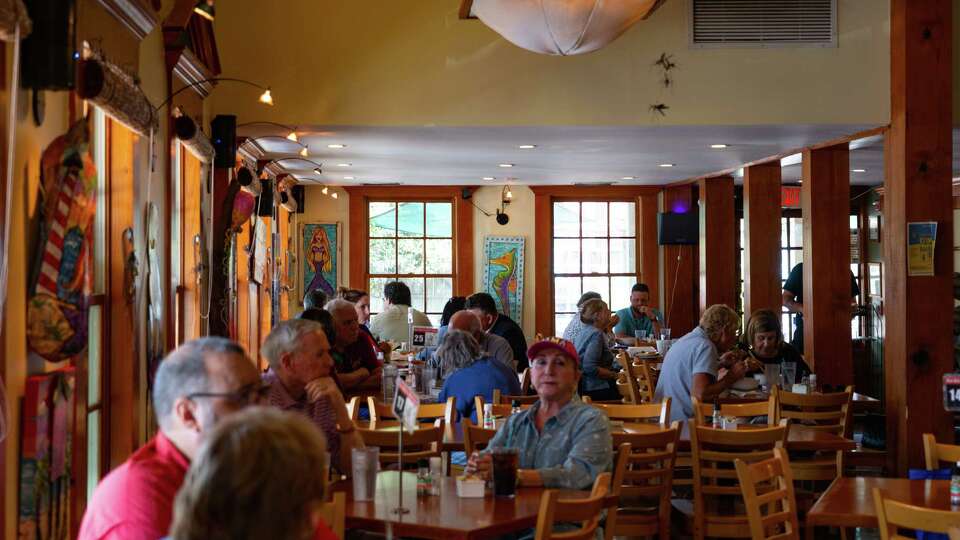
{"x":683,"y":229}
{"x":224,"y":129}
{"x":49,"y":54}
{"x":299,"y":195}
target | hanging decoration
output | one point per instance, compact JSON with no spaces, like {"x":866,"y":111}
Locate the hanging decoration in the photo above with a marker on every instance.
{"x":60,"y":282}
{"x":562,"y":27}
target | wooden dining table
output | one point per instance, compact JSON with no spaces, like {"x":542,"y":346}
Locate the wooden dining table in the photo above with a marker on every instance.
{"x":799,"y":437}
{"x":848,"y":502}
{"x":445,"y":516}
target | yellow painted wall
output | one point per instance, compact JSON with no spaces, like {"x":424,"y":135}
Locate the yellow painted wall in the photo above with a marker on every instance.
{"x":414,"y":63}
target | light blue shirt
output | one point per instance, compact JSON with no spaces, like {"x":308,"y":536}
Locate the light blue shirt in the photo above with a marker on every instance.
{"x":693,"y":353}
{"x":574,"y":447}
{"x":629,"y":324}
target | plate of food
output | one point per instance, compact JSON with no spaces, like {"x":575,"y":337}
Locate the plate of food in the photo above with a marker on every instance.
{"x":746,"y":384}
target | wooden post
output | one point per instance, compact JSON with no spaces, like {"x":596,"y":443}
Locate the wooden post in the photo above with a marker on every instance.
{"x":680,"y":268}
{"x":918,"y":309}
{"x":718,"y":243}
{"x":825,"y":201}
{"x":648,"y":250}
{"x":761,"y":238}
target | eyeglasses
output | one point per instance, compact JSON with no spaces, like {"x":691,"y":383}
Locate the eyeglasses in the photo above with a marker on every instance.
{"x":246,"y":395}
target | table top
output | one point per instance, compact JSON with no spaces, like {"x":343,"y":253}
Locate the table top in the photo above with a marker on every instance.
{"x":446,"y":516}
{"x":848,"y":502}
{"x":798,"y":438}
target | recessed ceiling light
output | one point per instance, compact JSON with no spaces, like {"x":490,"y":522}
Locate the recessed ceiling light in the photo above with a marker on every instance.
{"x":527,"y":146}
{"x":667,"y":164}
{"x":718,"y":146}
{"x":348,"y":178}
{"x":628,"y":177}
{"x":506,"y":165}
{"x":344,"y":164}
{"x":488,"y":178}
{"x":859,"y":170}
{"x":336,"y":146}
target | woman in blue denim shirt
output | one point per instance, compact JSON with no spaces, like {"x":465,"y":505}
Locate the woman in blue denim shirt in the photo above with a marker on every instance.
{"x":599,"y":373}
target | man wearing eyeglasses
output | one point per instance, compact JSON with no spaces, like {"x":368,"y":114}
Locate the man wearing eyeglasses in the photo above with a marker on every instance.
{"x":300,"y":379}
{"x":196,"y":385}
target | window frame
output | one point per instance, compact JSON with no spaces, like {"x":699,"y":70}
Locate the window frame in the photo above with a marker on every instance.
{"x":646,"y":251}
{"x":462,"y":221}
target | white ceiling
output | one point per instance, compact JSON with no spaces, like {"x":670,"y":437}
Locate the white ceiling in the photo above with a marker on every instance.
{"x":564,"y":154}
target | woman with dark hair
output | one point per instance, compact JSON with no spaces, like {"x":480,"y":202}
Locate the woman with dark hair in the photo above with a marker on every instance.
{"x":322,"y":316}
{"x":764,"y":339}
{"x":453,"y":305}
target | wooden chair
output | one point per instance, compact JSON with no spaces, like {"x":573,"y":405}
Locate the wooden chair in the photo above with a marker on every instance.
{"x":508,"y":399}
{"x":525,"y":381}
{"x":334,"y":513}
{"x":766,"y":408}
{"x":585,"y":512}
{"x":627,"y":388}
{"x":645,"y":412}
{"x":716,"y":490}
{"x":641,"y":372}
{"x":934,"y":452}
{"x":353,"y":408}
{"x":475,"y":438}
{"x":643,"y":483}
{"x":381,"y":414}
{"x":822,"y":412}
{"x":893,"y":515}
{"x":423,"y":443}
{"x":767,"y":488}
{"x":501,"y":410}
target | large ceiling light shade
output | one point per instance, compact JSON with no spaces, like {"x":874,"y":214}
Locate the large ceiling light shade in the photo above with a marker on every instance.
{"x":562,"y":27}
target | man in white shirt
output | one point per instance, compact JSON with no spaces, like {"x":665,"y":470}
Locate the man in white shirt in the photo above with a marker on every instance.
{"x":391,"y":323}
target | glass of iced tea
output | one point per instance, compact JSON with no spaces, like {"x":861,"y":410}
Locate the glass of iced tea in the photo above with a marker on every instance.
{"x":505,"y":461}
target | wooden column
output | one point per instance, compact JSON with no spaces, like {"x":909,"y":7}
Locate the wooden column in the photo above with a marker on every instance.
{"x":718,"y":243}
{"x":918,"y":309}
{"x":648,"y":251}
{"x":825,"y":201}
{"x":761,"y":238}
{"x":681,"y":302}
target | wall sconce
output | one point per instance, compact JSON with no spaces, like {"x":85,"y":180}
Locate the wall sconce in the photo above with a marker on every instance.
{"x":291,"y":136}
{"x":266,"y":97}
{"x":506,"y":197}
{"x":204,"y":8}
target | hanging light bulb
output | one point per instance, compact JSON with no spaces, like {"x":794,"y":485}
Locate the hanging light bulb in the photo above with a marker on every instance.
{"x":303,"y":151}
{"x":317,"y":171}
{"x":325,"y":190}
{"x":335,"y":195}
{"x":266,"y":98}
{"x":204,"y":8}
{"x":509,"y":194}
{"x":293,"y":137}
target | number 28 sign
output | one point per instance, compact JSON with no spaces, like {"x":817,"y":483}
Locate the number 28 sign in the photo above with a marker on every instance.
{"x":951,"y":392}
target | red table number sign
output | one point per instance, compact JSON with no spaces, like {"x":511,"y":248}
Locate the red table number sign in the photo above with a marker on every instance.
{"x":951,"y":392}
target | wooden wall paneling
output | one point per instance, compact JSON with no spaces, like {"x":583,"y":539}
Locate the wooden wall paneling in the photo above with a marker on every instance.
{"x":543,"y":270}
{"x":358,"y":239}
{"x":718,"y":243}
{"x":825,"y":202}
{"x":190,"y":227}
{"x":463,"y":238}
{"x":680,"y":269}
{"x":918,"y":347}
{"x":648,"y":251}
{"x":123,"y":371}
{"x":243,"y":286}
{"x":281,"y":261}
{"x":761,"y":237}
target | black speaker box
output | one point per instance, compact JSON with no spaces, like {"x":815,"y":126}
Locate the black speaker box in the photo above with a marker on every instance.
{"x":265,"y":204}
{"x":683,"y":229}
{"x":299,"y":193}
{"x":48,"y":55}
{"x":224,"y":129}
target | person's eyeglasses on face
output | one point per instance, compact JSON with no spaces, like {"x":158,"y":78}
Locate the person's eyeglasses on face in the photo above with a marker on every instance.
{"x":250,"y":394}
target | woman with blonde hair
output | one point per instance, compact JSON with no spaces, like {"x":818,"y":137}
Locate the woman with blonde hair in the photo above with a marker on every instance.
{"x":260,"y":474}
{"x":599,"y":373}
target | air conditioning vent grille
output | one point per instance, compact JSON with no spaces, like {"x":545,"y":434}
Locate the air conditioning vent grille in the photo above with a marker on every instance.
{"x":759,"y":23}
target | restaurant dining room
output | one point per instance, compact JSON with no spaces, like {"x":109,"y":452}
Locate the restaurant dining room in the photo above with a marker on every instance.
{"x":471,"y":269}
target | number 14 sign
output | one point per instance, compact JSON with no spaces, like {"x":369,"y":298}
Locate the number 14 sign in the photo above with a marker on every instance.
{"x":951,"y":392}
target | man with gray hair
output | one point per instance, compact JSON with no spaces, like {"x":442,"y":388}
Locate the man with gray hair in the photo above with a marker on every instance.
{"x":491,"y":345}
{"x":468,"y":373}
{"x":195,"y":386}
{"x":354,"y":352}
{"x":300,"y":379}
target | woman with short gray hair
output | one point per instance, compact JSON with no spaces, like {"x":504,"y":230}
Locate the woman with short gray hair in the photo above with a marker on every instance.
{"x":468,"y":373}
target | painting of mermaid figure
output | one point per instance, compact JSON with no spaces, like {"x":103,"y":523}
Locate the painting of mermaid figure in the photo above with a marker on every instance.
{"x":503,"y":273}
{"x":319,"y":256}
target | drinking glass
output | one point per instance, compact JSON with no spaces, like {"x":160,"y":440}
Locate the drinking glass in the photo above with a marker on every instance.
{"x":429,"y":377}
{"x":664,"y":333}
{"x":505,"y":462}
{"x":772,"y":373}
{"x":789,"y":370}
{"x":641,"y":335}
{"x":365,"y":462}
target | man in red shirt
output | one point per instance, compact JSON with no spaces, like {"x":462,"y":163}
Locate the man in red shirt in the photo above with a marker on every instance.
{"x":354,"y":352}
{"x":195,"y":386}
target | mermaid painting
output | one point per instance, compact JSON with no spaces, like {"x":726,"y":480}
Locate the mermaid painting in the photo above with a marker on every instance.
{"x":320,"y":260}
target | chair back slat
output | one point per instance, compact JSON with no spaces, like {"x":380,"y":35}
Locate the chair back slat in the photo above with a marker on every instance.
{"x":475,"y":438}
{"x":894,"y":515}
{"x":934,"y":453}
{"x":827,"y":412}
{"x":499,"y":397}
{"x":767,"y":488}
{"x":585,"y":513}
{"x":334,"y":513}
{"x":642,"y":373}
{"x":381,"y":414}
{"x":627,"y":388}
{"x":645,"y":412}
{"x":424,"y":442}
{"x":525,"y":381}
{"x":737,"y":410}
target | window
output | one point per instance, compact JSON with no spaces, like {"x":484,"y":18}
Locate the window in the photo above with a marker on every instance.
{"x":857,"y":322}
{"x":594,"y":249}
{"x":412,"y":241}
{"x":791,"y":254}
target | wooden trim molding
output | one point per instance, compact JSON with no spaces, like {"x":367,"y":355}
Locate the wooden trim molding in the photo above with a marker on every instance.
{"x":138,"y":17}
{"x":462,"y":228}
{"x":190,"y":70}
{"x":647,"y":260}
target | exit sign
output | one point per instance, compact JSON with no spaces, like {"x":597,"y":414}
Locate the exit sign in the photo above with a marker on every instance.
{"x":790,"y":197}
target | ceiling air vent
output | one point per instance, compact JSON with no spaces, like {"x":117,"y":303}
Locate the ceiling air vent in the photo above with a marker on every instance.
{"x":764,"y":23}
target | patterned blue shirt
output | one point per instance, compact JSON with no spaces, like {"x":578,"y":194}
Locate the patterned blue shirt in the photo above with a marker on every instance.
{"x":574,"y":447}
